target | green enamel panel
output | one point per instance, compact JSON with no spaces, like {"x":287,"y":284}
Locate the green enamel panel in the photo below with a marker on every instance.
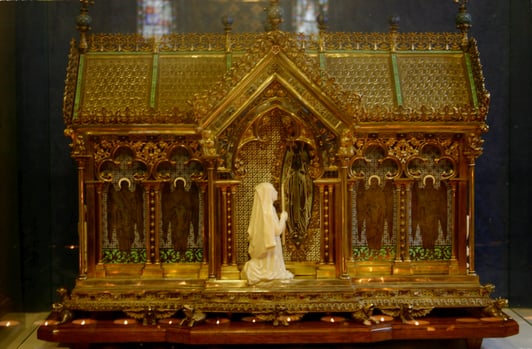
{"x":228,"y":61}
{"x":155,"y":71}
{"x":78,"y":86}
{"x":471,"y":80}
{"x":396,"y":80}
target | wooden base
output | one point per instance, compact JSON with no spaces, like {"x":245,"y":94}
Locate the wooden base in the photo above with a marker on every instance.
{"x":213,"y":333}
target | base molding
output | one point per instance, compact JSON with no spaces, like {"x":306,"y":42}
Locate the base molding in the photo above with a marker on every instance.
{"x":238,"y":330}
{"x":299,"y":311}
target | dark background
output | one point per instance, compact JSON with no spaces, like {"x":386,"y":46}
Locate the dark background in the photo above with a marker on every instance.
{"x":38,"y":211}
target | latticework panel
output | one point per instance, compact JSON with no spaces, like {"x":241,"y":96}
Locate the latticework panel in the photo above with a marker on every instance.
{"x":368,"y":75}
{"x":113,"y":84}
{"x":433,"y":80}
{"x":181,"y":76}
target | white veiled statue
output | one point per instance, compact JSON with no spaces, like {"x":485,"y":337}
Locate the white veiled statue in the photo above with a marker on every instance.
{"x":264,"y":232}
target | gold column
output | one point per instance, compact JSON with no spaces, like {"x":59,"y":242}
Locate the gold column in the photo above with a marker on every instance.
{"x":403,"y":196}
{"x":152,"y":204}
{"x":82,"y":223}
{"x":99,"y":227}
{"x":229,"y":269}
{"x":324,"y":221}
{"x":224,"y":224}
{"x":344,"y":220}
{"x":453,"y":268}
{"x":470,"y":230}
{"x":211,"y":217}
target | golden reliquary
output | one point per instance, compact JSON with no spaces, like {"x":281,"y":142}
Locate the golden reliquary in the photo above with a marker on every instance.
{"x":370,"y":140}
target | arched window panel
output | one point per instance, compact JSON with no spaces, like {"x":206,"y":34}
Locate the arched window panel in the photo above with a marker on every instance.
{"x":159,"y":17}
{"x":304,"y":15}
{"x":156,"y":17}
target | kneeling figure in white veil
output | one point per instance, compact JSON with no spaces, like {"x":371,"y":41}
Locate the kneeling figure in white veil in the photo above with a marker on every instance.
{"x":264,"y":233}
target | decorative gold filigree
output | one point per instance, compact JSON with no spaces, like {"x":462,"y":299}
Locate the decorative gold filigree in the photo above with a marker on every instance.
{"x":399,"y":154}
{"x":208,"y":143}
{"x":495,"y":309}
{"x":474,"y":145}
{"x":151,"y":153}
{"x":276,"y":306}
{"x":363,"y":313}
{"x":380,"y":113}
{"x":478,"y":76}
{"x":279,"y":316}
{"x":149,"y":315}
{"x":192,"y":315}
{"x":69,"y":94}
{"x":125,"y":116}
{"x":403,"y":41}
{"x":78,"y":145}
{"x":407,"y":312}
{"x":120,"y":43}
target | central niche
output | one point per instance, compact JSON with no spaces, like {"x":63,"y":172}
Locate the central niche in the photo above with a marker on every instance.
{"x":278,"y":148}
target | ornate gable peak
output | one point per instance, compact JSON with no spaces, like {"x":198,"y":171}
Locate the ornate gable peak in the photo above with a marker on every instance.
{"x":271,"y":48}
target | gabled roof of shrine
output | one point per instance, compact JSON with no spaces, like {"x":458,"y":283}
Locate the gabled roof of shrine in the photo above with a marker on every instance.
{"x":197,"y":79}
{"x":275,"y":57}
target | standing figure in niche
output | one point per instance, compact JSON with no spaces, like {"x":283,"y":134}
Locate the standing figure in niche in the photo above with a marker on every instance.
{"x":297,"y":192}
{"x":264,"y":233}
{"x":124,"y":214}
{"x":374,"y":208}
{"x":182,"y":218}
{"x":429,"y":211}
{"x":180,"y":212}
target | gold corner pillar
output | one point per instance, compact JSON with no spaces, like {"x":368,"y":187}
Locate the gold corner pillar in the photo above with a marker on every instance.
{"x":343,"y":244}
{"x":212,"y":217}
{"x":82,"y":220}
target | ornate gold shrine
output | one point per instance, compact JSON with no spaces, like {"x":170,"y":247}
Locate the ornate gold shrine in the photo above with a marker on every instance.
{"x":377,"y":132}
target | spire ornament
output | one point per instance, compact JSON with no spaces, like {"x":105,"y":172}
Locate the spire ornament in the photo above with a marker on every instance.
{"x":275,"y":16}
{"x":83,"y":23}
{"x":463,"y":21}
{"x":227,"y":22}
{"x":323,"y":21}
{"x":393,"y":22}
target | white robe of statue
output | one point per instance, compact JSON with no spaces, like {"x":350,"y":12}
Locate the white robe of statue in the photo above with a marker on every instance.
{"x":264,"y":233}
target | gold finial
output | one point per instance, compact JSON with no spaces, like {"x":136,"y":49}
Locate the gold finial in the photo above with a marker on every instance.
{"x":83,"y":23}
{"x":393,"y":22}
{"x":463,"y":21}
{"x":275,"y":16}
{"x":227,"y":22}
{"x":323,"y":21}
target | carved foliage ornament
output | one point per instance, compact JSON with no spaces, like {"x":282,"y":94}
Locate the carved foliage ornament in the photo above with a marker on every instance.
{"x":146,"y":159}
{"x":411,"y":156}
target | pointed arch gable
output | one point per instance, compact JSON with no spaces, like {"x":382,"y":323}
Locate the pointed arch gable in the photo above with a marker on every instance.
{"x":275,"y":97}
{"x":275,"y":58}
